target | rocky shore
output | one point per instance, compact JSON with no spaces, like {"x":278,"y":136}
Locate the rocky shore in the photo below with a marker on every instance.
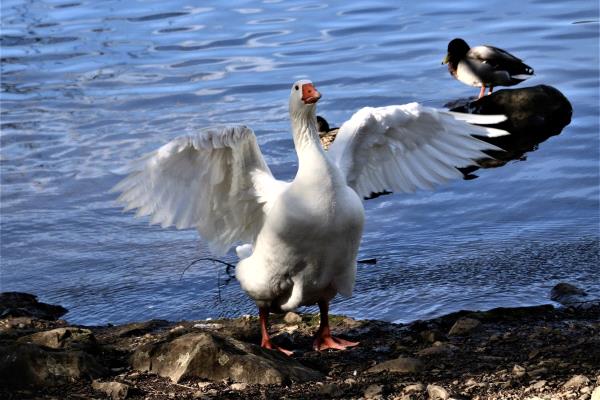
{"x":541,"y":352}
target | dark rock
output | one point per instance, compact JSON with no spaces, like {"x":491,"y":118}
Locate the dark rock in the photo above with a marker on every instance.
{"x":463,"y":326}
{"x":26,"y":364}
{"x":140,"y":328}
{"x":16,"y":304}
{"x":60,"y":338}
{"x":114,"y":390}
{"x":399,"y":365}
{"x":210,"y":356}
{"x":567,"y":294}
{"x":533,"y":115}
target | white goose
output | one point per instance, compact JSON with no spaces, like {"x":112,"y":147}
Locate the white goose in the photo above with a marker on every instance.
{"x":303,"y":236}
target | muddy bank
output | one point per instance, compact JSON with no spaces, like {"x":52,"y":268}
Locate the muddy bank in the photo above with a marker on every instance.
{"x":505,"y":353}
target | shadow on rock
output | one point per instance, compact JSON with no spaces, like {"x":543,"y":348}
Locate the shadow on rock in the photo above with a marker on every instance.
{"x":533,"y":115}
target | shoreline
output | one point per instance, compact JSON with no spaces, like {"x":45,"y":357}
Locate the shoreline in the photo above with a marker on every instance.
{"x":538,"y":352}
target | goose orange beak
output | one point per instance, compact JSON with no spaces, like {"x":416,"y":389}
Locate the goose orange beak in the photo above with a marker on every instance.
{"x":310,"y":95}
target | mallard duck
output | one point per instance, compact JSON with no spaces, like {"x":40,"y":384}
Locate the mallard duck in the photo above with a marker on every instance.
{"x":302,"y":237}
{"x":485,"y":66}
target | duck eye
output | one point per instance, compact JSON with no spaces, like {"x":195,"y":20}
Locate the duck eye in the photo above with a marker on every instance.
{"x":297,"y":87}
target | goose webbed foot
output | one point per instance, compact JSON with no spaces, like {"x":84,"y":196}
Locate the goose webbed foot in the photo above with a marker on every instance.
{"x":265,"y":342}
{"x":323,"y":339}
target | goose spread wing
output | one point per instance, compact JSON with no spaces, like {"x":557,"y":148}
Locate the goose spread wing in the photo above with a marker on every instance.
{"x":216,"y":181}
{"x":408,"y":147}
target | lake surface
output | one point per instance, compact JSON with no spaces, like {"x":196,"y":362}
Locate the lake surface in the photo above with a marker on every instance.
{"x":88,"y":86}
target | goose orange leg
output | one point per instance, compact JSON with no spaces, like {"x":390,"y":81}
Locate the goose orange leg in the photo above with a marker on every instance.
{"x":323,"y":338}
{"x":265,"y":342}
{"x":481,"y":92}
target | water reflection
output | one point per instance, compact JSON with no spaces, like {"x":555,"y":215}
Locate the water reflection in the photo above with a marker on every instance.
{"x":88,"y":86}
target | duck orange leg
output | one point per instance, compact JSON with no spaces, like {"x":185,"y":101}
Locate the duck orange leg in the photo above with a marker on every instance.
{"x":265,"y":342}
{"x":323,"y":338}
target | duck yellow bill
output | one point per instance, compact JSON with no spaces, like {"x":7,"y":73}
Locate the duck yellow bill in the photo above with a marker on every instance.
{"x":446,"y":59}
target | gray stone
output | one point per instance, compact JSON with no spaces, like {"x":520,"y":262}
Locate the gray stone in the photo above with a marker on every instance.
{"x":436,"y":392}
{"x":518,"y":371}
{"x":463,"y":326}
{"x":577,"y":382}
{"x":441,"y":349}
{"x":292,"y":318}
{"x":61,"y":338}
{"x":414,"y":388}
{"x":400,"y":365}
{"x":239,"y":386}
{"x":27,"y":364}
{"x":210,"y":356}
{"x":114,"y":390}
{"x":373,"y":392}
{"x":538,"y":385}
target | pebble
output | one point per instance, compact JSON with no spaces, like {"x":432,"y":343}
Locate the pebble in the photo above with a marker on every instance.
{"x":292,"y":318}
{"x":436,"y":392}
{"x":416,"y":387}
{"x":518,"y":371}
{"x":373,"y":392}
{"x":239,"y":386}
{"x":331,"y":390}
{"x":114,"y":390}
{"x":538,"y":385}
{"x":576,"y":382}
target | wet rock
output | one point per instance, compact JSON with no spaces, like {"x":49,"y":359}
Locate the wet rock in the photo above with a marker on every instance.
{"x":400,"y":365}
{"x":60,"y":338}
{"x":114,"y":390}
{"x":463,"y":326}
{"x":436,"y":392}
{"x":16,"y":304}
{"x":533,"y":115}
{"x":567,"y":294}
{"x":577,"y":382}
{"x":292,"y":318}
{"x":210,"y":356}
{"x":27,"y":364}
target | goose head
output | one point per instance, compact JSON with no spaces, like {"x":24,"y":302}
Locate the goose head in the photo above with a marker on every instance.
{"x":457,"y":50}
{"x":303,"y":98}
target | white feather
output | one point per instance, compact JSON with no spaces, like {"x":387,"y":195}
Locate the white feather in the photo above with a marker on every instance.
{"x":206,"y":181}
{"x":408,"y":147}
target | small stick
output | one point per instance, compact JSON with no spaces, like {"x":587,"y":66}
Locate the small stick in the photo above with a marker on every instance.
{"x":229,"y":266}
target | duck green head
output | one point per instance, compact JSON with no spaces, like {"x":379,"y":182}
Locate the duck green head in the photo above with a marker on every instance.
{"x":457,"y":49}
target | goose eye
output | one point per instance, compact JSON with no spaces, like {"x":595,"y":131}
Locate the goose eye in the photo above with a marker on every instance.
{"x":297,"y":87}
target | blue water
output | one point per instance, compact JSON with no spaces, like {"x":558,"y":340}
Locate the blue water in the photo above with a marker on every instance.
{"x":89,"y":85}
